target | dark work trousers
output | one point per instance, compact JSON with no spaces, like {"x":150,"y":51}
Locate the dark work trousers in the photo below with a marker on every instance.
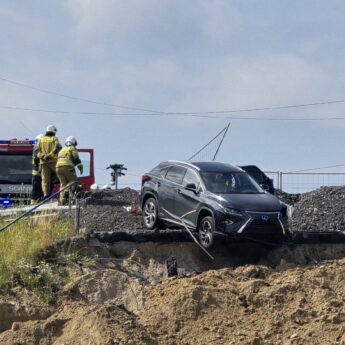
{"x":36,"y":193}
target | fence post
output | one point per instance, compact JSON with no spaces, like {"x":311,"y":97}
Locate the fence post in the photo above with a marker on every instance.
{"x":280,"y":180}
{"x":77,"y":216}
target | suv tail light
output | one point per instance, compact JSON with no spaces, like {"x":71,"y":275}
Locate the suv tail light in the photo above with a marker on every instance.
{"x":144,"y":179}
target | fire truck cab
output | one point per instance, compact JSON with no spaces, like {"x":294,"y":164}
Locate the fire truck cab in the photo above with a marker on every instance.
{"x":16,"y":169}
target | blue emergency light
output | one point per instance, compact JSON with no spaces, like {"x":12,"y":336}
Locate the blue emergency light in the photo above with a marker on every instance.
{"x":6,"y":202}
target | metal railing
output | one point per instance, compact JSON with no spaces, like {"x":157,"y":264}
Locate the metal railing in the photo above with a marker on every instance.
{"x":30,"y":211}
{"x":301,"y":182}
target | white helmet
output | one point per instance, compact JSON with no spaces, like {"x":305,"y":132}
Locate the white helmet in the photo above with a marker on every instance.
{"x":38,"y":137}
{"x":51,"y":129}
{"x":71,"y":141}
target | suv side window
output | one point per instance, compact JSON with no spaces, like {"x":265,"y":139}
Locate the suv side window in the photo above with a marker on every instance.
{"x":176,"y":174}
{"x":160,"y":170}
{"x":191,"y":177}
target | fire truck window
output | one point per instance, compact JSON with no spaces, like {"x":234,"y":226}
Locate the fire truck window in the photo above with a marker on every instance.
{"x":85,"y":158}
{"x":15,"y":168}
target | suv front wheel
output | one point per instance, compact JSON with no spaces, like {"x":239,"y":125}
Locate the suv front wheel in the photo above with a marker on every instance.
{"x":150,"y":213}
{"x":206,"y":231}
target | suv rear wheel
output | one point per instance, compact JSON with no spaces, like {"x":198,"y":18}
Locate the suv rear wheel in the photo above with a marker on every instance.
{"x":150,"y":213}
{"x":206,"y":231}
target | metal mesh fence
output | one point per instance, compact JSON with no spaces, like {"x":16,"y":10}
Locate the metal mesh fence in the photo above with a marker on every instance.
{"x":305,"y":182}
{"x":274,"y":175}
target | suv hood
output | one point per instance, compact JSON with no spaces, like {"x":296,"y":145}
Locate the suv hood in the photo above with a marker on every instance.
{"x":250,"y":202}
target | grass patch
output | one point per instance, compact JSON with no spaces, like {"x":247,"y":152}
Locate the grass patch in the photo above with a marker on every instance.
{"x":19,"y":246}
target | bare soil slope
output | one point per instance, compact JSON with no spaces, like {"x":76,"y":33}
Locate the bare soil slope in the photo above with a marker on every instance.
{"x":248,"y":305}
{"x":295,"y":296}
{"x":251,"y":305}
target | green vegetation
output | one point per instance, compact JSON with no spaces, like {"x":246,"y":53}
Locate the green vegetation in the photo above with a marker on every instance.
{"x":82,"y":260}
{"x":19,"y":265}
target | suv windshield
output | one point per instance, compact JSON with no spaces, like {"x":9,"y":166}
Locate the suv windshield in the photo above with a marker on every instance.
{"x":230,"y":183}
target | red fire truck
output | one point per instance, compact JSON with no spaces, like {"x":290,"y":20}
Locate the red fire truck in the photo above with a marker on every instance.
{"x":16,"y":168}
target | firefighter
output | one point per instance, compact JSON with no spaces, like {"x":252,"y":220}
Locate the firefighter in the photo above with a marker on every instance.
{"x":47,"y":151}
{"x":68,"y":159}
{"x":36,"y":193}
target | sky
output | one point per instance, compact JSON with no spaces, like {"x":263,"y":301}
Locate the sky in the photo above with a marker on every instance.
{"x":176,"y":56}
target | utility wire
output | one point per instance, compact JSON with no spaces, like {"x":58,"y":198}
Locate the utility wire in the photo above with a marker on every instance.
{"x":300,"y":105}
{"x":319,"y":168}
{"x":26,"y":127}
{"x":127,"y":174}
{"x":212,"y":140}
{"x":73,"y":97}
{"x":197,"y":115}
{"x":279,"y":107}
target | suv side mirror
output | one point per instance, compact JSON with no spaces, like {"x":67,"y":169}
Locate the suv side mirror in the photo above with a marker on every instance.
{"x":192,"y":187}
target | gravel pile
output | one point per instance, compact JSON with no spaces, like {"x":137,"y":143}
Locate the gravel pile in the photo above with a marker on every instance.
{"x":110,"y":210}
{"x":289,"y":199}
{"x":320,"y":210}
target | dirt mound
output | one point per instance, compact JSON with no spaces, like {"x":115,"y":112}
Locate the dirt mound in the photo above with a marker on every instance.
{"x":320,"y":210}
{"x":106,"y":285}
{"x":251,"y":305}
{"x":125,"y":297}
{"x":11,"y":310}
{"x":110,"y":210}
{"x":80,"y":324}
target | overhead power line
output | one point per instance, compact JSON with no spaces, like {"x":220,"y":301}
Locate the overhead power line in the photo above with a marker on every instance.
{"x":26,"y":127}
{"x":74,"y":97}
{"x":279,"y":107}
{"x":197,"y":115}
{"x":318,"y":168}
{"x":127,"y":174}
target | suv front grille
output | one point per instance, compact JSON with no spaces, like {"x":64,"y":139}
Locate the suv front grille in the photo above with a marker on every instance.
{"x":263,"y":223}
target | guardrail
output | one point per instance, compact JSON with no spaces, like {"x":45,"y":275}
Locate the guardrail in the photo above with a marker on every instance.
{"x":27,"y":213}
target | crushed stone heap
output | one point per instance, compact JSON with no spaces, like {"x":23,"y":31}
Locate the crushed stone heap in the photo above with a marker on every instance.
{"x":111,"y":210}
{"x":289,"y":199}
{"x":320,"y":210}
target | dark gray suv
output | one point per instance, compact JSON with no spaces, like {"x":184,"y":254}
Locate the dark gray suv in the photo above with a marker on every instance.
{"x":210,"y":198}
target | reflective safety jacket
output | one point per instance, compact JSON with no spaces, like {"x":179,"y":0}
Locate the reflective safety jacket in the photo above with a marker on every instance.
{"x":69,"y":157}
{"x":48,"y":148}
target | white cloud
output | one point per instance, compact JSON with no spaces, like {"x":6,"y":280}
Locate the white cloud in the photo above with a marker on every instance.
{"x":264,"y":80}
{"x":150,"y":26}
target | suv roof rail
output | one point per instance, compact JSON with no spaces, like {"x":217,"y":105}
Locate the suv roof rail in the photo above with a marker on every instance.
{"x":184,"y":162}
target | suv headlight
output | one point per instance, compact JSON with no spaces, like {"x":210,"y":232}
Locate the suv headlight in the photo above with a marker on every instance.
{"x":287,"y":210}
{"x":231,"y":211}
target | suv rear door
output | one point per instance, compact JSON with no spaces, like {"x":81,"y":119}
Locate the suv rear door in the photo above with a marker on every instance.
{"x":169,"y":189}
{"x":187,"y":202}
